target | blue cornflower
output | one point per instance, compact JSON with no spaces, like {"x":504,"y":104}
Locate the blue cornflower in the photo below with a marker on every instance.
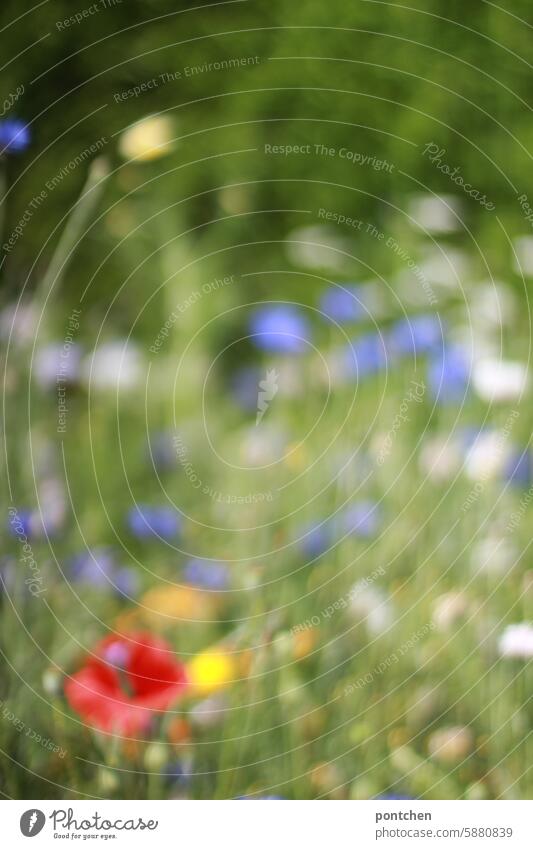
{"x":361,"y":519}
{"x":314,"y":539}
{"x":448,"y":375}
{"x":342,"y":303}
{"x":280,"y":329}
{"x":23,"y":523}
{"x":93,"y":567}
{"x":14,"y":136}
{"x":421,"y":334}
{"x":208,"y":574}
{"x":98,"y":568}
{"x":35,"y":524}
{"x":366,"y":355}
{"x":126,"y":581}
{"x":145,"y":521}
{"x":518,"y":468}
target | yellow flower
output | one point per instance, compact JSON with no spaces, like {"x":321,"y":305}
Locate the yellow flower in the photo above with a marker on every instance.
{"x":148,"y":139}
{"x":166,"y":605}
{"x":211,"y":670}
{"x":304,"y":643}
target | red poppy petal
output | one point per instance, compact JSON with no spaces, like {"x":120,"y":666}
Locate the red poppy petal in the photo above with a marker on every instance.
{"x":158,"y":678}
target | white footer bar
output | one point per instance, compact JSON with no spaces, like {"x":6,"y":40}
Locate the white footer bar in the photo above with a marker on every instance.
{"x":267,"y":824}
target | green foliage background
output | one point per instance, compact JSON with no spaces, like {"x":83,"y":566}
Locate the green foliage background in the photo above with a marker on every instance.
{"x":368,"y":75}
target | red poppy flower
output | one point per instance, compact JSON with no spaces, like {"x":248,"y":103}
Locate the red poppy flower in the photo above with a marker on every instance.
{"x":125,"y":681}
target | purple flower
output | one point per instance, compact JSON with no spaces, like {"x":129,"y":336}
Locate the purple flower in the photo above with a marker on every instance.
{"x":421,"y":334}
{"x":279,"y":329}
{"x":34,"y":524}
{"x":97,"y":567}
{"x":208,"y":574}
{"x":14,"y":136}
{"x":145,"y":521}
{"x":56,"y":363}
{"x":342,"y":303}
{"x":448,"y":375}
{"x":361,"y":519}
{"x":117,"y":654}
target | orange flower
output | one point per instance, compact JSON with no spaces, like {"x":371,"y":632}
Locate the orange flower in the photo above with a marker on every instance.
{"x":164,"y":605}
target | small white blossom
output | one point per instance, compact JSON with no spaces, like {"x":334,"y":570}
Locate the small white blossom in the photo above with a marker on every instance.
{"x":499,"y":380}
{"x":517,"y":641}
{"x":113,"y":366}
{"x":436,"y":214}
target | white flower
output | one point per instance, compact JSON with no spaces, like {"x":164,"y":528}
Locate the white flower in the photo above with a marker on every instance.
{"x":291,"y":378}
{"x":523,"y":255}
{"x":493,"y":556}
{"x":493,"y":304}
{"x":52,"y":681}
{"x":148,"y":139}
{"x":113,"y":366}
{"x":262,"y":446}
{"x":499,"y":380}
{"x":517,"y":641}
{"x":446,"y":267}
{"x":440,"y":458}
{"x":318,"y":247}
{"x":448,"y":609}
{"x":436,"y":214}
{"x":451,"y":745}
{"x":372,"y":605}
{"x":479,"y":340}
{"x":54,"y":504}
{"x":487,"y":456}
{"x":20,"y":322}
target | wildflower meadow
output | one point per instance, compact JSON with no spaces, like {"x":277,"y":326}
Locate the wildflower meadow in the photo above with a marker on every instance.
{"x":265,"y":335}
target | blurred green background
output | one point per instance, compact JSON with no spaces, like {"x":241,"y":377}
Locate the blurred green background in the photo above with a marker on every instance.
{"x":372,"y":76}
{"x":380,"y":79}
